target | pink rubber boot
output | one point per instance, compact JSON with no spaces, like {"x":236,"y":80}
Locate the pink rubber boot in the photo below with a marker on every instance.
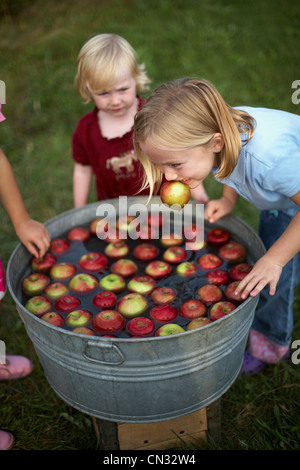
{"x":16,"y":367}
{"x":6,"y":440}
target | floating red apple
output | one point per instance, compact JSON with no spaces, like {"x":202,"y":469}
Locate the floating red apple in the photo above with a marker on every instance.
{"x":62,"y":271}
{"x":220,"y":309}
{"x":78,"y":318}
{"x":218,"y":236}
{"x":218,"y":277}
{"x":198,"y":323}
{"x":56,"y":290}
{"x":209,"y":261}
{"x":125,"y":267}
{"x":233,"y":252}
{"x":117,"y":250}
{"x":192,"y":308}
{"x":163,"y":295}
{"x":108,"y":321}
{"x":210,"y":294}
{"x":169,"y":329}
{"x":132,"y":305}
{"x":141,"y":326}
{"x":239,"y":271}
{"x":59,"y":246}
{"x":66,"y":303}
{"x":53,"y":318}
{"x":113,"y":282}
{"x":186,"y":269}
{"x":174,"y":239}
{"x":163,"y":313}
{"x":83,"y":283}
{"x":38,"y":305}
{"x":175,"y":254}
{"x":83,"y":330}
{"x":35,"y":283}
{"x":78,"y":234}
{"x":145,"y":252}
{"x":141,"y":284}
{"x":105,"y":300}
{"x":43,"y":264}
{"x":158,"y":269}
{"x":175,"y":193}
{"x":93,"y":262}
{"x":230,"y":293}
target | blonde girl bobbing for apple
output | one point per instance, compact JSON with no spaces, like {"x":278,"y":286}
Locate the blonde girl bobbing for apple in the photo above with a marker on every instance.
{"x":186,"y":131}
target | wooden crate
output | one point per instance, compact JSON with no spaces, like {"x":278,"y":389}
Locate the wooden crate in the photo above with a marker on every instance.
{"x":187,"y":429}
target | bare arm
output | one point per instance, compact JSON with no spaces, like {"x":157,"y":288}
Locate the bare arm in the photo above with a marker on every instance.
{"x":82,"y":178}
{"x":267,"y":270}
{"x":32,"y":234}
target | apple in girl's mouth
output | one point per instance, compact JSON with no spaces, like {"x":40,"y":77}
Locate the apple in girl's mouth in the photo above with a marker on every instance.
{"x":175,"y":193}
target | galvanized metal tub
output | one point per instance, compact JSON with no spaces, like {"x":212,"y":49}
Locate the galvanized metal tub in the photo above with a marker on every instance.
{"x":142,"y":380}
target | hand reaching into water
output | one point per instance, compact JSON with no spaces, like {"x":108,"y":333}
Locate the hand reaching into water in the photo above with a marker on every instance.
{"x":265,"y":271}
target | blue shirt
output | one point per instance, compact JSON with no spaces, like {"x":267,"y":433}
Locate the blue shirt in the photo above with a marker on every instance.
{"x":267,"y":172}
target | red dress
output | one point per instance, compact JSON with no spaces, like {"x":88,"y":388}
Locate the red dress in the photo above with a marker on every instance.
{"x":115,"y":165}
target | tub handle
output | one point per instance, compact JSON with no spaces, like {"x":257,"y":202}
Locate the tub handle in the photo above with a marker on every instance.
{"x":107,"y":354}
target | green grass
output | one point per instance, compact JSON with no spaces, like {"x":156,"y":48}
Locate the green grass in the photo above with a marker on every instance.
{"x":250,"y":51}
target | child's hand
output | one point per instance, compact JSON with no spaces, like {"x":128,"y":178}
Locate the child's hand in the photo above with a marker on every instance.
{"x":34,"y":236}
{"x":217,"y":208}
{"x":265,"y":271}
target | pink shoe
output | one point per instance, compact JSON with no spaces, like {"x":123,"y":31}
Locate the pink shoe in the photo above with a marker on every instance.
{"x":6,"y":440}
{"x":16,"y":367}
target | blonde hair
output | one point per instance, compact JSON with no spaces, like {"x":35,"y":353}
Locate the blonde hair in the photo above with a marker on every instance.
{"x":186,"y":113}
{"x":98,"y":62}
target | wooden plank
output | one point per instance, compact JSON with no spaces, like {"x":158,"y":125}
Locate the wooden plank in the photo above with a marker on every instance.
{"x":187,"y":439}
{"x":158,"y":435}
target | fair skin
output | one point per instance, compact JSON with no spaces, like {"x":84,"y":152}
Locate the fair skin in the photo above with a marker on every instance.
{"x":184,"y":166}
{"x":117,"y":107}
{"x":33,"y":234}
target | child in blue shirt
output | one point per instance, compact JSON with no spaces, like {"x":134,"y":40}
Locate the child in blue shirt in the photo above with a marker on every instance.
{"x":187,"y":130}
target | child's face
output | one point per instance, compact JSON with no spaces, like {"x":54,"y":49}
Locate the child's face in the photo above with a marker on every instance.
{"x":190,"y":166}
{"x":117,"y":100}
